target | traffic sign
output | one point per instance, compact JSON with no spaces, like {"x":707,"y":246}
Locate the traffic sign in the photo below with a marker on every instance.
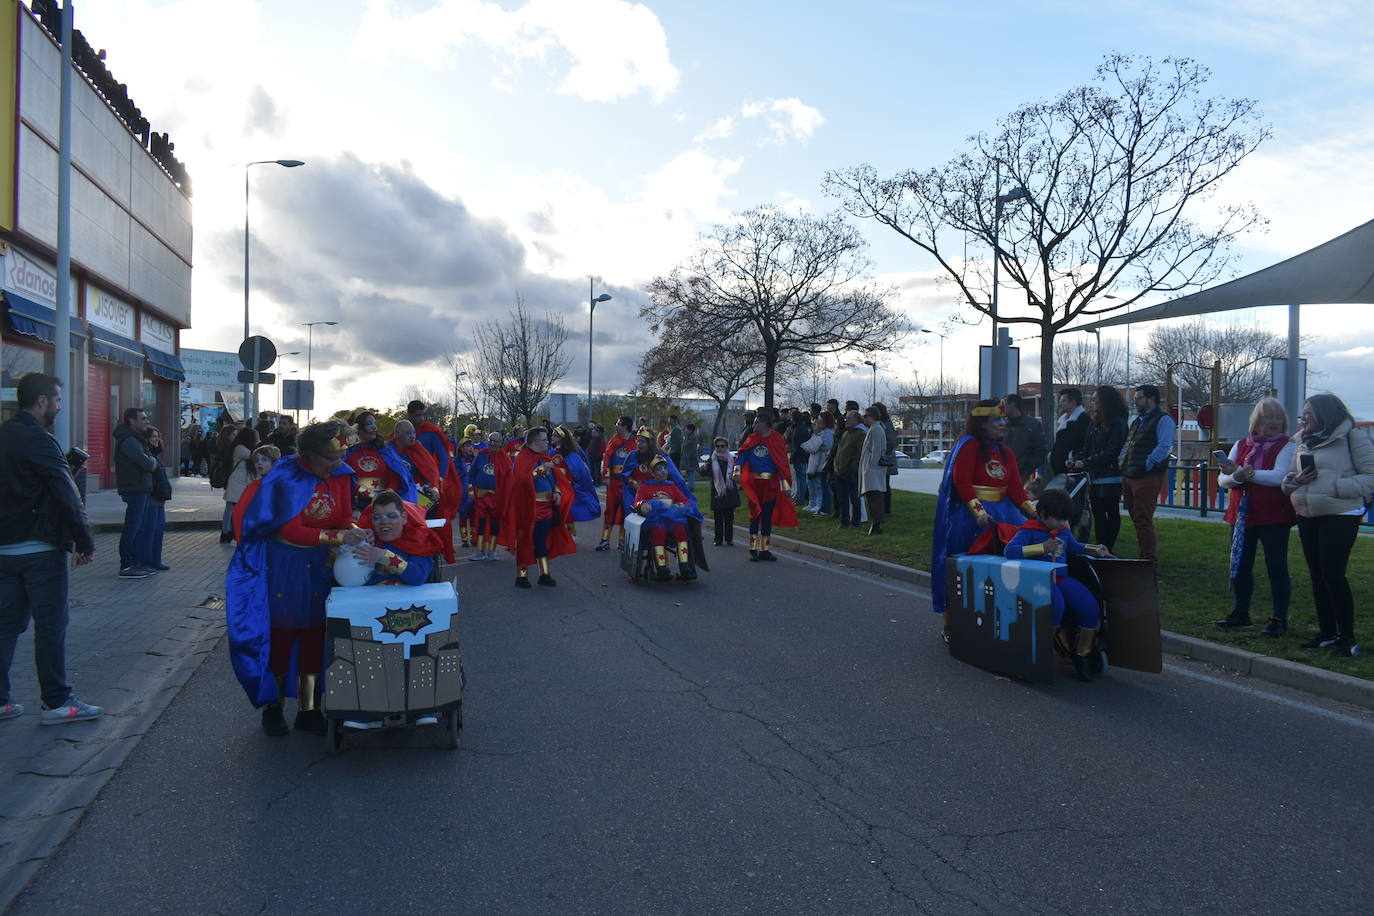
{"x":264,"y":378}
{"x":260,"y":349}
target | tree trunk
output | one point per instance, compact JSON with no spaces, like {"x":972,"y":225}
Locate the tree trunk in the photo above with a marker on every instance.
{"x":770,"y":368}
{"x":1049,"y":404}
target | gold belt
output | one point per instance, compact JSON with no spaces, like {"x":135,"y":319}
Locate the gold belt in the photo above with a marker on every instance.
{"x":543,"y":497}
{"x":482,"y":492}
{"x":281,"y":540}
{"x":989,"y":494}
{"x":766,"y":475}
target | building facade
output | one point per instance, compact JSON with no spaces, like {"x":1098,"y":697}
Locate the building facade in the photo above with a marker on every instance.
{"x":130,"y":283}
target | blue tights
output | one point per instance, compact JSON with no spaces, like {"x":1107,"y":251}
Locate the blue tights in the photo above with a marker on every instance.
{"x":1075,"y":595}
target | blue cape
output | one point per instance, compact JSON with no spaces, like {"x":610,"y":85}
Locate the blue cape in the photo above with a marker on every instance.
{"x":282,"y":495}
{"x":955,"y":528}
{"x":586,"y":504}
{"x":393,"y":460}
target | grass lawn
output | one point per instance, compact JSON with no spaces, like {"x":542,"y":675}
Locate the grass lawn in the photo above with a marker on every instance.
{"x":1194,"y":582}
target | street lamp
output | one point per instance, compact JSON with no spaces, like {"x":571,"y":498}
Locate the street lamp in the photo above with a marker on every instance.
{"x":941,"y":395}
{"x":873,"y":397}
{"x":456,"y":376}
{"x":250,"y":395}
{"x":309,"y":352}
{"x":281,"y":378}
{"x":592,"y":300}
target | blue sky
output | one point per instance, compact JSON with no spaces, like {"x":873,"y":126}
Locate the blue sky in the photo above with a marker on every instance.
{"x":459,"y":150}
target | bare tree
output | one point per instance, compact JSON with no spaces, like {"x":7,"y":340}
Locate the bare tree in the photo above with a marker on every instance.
{"x":1083,"y":361}
{"x":520,"y":360}
{"x":925,"y":403}
{"x":1079,"y":197}
{"x":687,"y":360}
{"x":770,"y":285}
{"x":1245,"y":353}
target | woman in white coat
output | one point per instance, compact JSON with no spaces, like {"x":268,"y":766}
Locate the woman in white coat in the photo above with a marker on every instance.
{"x":872,"y":472}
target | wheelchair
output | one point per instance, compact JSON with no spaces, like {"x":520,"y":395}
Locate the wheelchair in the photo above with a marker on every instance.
{"x":638,"y":561}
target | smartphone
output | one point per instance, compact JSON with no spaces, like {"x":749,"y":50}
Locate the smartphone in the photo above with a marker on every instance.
{"x":1221,"y":457}
{"x":1308,"y":462}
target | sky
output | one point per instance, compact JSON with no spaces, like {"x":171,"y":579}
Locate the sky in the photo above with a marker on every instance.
{"x":461,"y":152}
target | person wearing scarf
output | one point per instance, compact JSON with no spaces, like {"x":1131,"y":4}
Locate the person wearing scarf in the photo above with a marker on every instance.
{"x":765,"y":474}
{"x":724,"y":494}
{"x":1259,"y":513}
{"x":981,"y":502}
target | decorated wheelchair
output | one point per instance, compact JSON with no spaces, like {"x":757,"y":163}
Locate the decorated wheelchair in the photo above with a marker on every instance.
{"x":392,"y":659}
{"x":637,"y":552}
{"x":1000,"y":615}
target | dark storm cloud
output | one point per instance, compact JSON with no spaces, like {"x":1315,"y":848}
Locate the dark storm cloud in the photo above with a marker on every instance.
{"x":407,"y":272}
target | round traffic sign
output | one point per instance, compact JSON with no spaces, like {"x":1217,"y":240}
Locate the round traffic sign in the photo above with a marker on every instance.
{"x":261,"y":348}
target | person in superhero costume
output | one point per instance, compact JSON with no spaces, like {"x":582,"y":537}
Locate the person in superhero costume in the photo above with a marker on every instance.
{"x":403,"y":546}
{"x":488,"y":467}
{"x":613,"y":460}
{"x":570,"y":460}
{"x":440,"y":498}
{"x":981,"y":501}
{"x":535,"y":508}
{"x":764,"y":474}
{"x":637,"y":469}
{"x":466,"y":452}
{"x":430,"y":436}
{"x":280,"y":575}
{"x":1047,"y":537}
{"x":376,"y":464}
{"x":666,"y":507}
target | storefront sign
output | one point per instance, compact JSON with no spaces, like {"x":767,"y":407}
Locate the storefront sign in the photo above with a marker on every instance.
{"x":157,"y":334}
{"x":105,"y":311}
{"x":210,"y":369}
{"x":30,"y":278}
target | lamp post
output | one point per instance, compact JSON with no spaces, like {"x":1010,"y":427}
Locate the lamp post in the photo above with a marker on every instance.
{"x":281,"y":378}
{"x":456,"y":376}
{"x":309,"y":352}
{"x":592,"y":300}
{"x":941,"y":395}
{"x":873,"y":395}
{"x":250,"y":390}
{"x":999,"y":380}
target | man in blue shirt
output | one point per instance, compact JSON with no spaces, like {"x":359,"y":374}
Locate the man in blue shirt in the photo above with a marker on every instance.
{"x":1144,"y":459}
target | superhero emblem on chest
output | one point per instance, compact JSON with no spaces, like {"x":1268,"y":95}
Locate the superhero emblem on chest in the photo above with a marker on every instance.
{"x":488,"y":469}
{"x":321,"y":506}
{"x":996,"y":469}
{"x":662,"y":494}
{"x":368,"y":463}
{"x":760,"y":451}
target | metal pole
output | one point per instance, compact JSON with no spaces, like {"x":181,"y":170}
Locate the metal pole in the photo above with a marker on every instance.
{"x":591,"y":324}
{"x":996,"y":244}
{"x":62,"y":345}
{"x":1292,"y":382}
{"x":1098,"y":333}
{"x":941,"y":436}
{"x":247,"y":389}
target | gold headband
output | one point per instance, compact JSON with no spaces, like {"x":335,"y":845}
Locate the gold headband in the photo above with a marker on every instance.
{"x":987,"y":412}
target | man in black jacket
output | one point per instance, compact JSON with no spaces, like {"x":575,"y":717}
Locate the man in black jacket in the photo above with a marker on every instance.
{"x":134,"y":466}
{"x":41,"y":520}
{"x":1070,"y":431}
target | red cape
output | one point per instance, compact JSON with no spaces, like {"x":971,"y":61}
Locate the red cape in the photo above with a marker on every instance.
{"x":517,"y":511}
{"x":784,"y":513}
{"x":426,"y":468}
{"x":242,"y":505}
{"x":615,"y":443}
{"x":450,"y":488}
{"x":417,"y":538}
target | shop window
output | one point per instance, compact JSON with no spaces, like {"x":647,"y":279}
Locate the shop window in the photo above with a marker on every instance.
{"x":16,"y":362}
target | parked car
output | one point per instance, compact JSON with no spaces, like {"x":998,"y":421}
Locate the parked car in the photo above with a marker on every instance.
{"x":906,"y":461}
{"x":937,"y":457}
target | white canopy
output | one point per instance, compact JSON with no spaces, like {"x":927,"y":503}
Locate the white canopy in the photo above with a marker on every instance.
{"x":1338,"y":271}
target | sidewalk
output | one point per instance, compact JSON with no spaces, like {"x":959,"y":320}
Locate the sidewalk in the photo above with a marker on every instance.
{"x":193,"y":504}
{"x":131,"y":644}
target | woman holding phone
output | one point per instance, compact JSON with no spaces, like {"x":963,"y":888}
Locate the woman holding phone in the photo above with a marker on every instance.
{"x":1329,"y":487}
{"x":1260,"y":514}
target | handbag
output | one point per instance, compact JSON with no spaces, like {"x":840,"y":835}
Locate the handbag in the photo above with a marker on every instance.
{"x":727,"y":500}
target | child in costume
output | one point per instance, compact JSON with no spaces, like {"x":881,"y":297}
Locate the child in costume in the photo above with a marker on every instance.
{"x":1047,"y":537}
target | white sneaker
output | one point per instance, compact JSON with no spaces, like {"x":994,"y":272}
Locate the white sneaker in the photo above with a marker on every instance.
{"x":361,"y":726}
{"x":478,"y":555}
{"x":427,"y":720}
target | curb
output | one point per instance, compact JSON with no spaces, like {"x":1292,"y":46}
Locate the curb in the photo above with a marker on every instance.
{"x":1329,"y":684}
{"x":182,"y":525}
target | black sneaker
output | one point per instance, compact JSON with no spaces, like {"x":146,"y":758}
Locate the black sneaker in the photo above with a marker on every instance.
{"x":1277,"y":627}
{"x":133,"y":572}
{"x":273,"y":721}
{"x":1234,"y":621}
{"x":546,"y":579}
{"x":522,"y":581}
{"x":767,"y":556}
{"x":603,"y":546}
{"x":1345,"y":647}
{"x":1319,"y":640}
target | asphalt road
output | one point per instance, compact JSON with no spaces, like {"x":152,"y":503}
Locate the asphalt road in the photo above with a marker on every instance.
{"x":780,"y":738}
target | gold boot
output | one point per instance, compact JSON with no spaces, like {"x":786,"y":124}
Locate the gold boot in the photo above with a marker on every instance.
{"x":544,"y":577}
{"x":684,"y":553}
{"x":1082,"y":661}
{"x":661,"y":563}
{"x":753,"y":546}
{"x":308,"y":716}
{"x":765,"y":548}
{"x":1061,"y":640}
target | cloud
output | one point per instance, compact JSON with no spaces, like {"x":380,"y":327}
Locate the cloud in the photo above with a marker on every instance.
{"x":785,"y":120}
{"x":263,"y":115}
{"x":607,"y":49}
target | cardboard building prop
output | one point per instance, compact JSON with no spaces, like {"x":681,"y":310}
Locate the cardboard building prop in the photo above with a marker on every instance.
{"x":392,"y":650}
{"x":1001,"y":613}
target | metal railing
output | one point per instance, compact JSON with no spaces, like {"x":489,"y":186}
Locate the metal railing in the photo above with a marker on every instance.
{"x":1192,"y":485}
